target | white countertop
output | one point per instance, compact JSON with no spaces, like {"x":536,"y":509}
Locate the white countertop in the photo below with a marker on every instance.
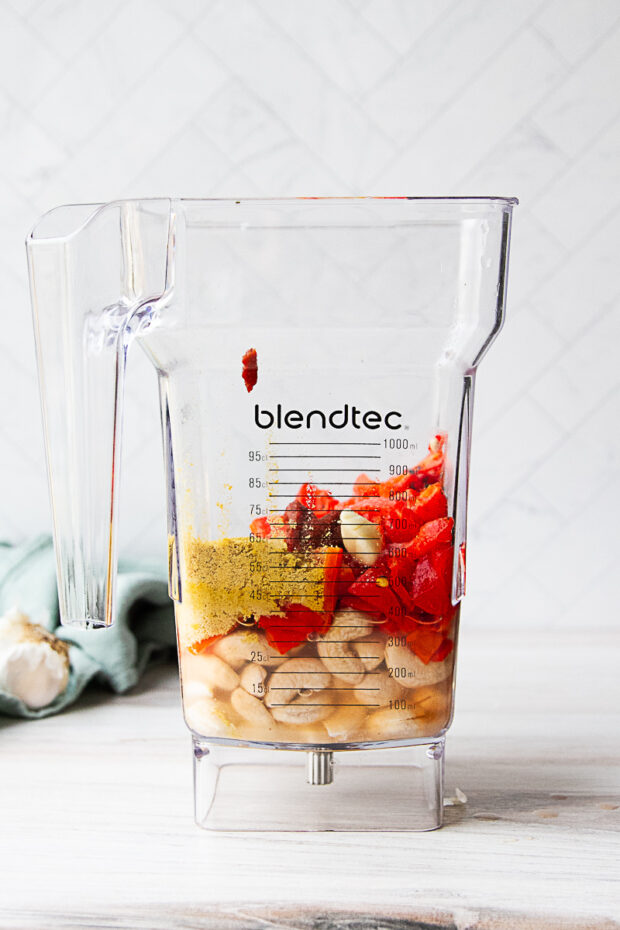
{"x":98,"y":828}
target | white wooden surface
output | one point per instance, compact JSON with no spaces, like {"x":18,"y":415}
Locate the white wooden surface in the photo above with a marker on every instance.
{"x":97,"y":826}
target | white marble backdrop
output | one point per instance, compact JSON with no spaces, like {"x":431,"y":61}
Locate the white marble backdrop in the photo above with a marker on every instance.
{"x":264,"y":97}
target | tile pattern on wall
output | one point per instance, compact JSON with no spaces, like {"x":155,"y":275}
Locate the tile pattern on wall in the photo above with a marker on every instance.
{"x":264,"y":97}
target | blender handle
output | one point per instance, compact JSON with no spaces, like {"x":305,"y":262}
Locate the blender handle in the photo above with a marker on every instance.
{"x":461,"y":488}
{"x":94,"y":286}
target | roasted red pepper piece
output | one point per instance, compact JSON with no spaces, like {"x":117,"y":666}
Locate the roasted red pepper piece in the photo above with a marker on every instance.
{"x":432,"y":581}
{"x":430,"y":469}
{"x":366,"y":487}
{"x":373,"y":587}
{"x":430,"y":504}
{"x":425,"y":643}
{"x":399,"y":524}
{"x":433,"y":534}
{"x":346,"y":577}
{"x":400,"y":571}
{"x":349,"y":601}
{"x":261,"y":527}
{"x":372,"y":508}
{"x":249,"y":372}
{"x":401,"y":587}
{"x":201,"y":645}
{"x":398,"y":485}
{"x":318,"y":501}
{"x":397,"y":627}
{"x":284,"y":633}
{"x":332,"y":572}
{"x":444,"y":650}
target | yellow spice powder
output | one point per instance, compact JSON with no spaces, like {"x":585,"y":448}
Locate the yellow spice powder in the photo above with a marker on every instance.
{"x":231,"y":579}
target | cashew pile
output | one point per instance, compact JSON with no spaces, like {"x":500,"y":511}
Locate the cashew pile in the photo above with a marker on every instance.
{"x":353,"y":683}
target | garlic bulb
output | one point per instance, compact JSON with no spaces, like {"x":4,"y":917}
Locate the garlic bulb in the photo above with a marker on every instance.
{"x":34,"y":664}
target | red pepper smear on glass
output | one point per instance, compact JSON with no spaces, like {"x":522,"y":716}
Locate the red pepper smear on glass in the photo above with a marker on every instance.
{"x":249,"y":372}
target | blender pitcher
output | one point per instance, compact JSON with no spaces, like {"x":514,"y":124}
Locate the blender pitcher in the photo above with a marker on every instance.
{"x":316,"y":362}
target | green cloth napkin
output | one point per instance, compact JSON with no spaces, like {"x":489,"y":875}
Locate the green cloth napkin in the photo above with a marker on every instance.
{"x":144,"y":624}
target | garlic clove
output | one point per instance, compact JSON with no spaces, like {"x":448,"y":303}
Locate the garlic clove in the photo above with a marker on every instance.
{"x":361,"y":537}
{"x":34,"y":664}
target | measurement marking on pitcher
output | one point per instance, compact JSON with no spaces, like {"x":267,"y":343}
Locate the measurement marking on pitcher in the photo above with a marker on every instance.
{"x":315,"y":455}
{"x":325,"y":443}
{"x":318,"y":673}
{"x":326,"y":704}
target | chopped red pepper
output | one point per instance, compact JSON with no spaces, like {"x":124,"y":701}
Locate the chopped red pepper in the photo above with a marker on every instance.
{"x":366,"y":487}
{"x":201,"y":645}
{"x":425,"y":643}
{"x":400,"y":523}
{"x":432,"y":581}
{"x":372,"y":508}
{"x":430,"y":645}
{"x":430,"y":469}
{"x":284,"y":633}
{"x":331,"y":570}
{"x":261,"y":527}
{"x":346,"y":577}
{"x":249,"y":371}
{"x":397,"y":485}
{"x":405,"y":624}
{"x":430,"y":504}
{"x":432,"y":534}
{"x":373,"y":587}
{"x":444,"y":650}
{"x":318,"y":501}
{"x":402,"y":592}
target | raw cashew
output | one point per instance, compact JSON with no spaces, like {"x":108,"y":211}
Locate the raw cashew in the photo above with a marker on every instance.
{"x":432,"y":704}
{"x":378,"y":689}
{"x":293,"y":677}
{"x":345,"y":723}
{"x":245,"y":646}
{"x":337,"y":650}
{"x":209,"y":718}
{"x":292,"y":733}
{"x":394,"y":724}
{"x":250,"y":708}
{"x":410,"y":671}
{"x":252,"y":679}
{"x":371,"y":651}
{"x":194,"y":690}
{"x":306,"y":708}
{"x":361,"y":537}
{"x":294,"y":691}
{"x":217,"y":674}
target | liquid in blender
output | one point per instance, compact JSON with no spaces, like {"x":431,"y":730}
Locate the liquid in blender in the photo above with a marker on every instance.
{"x":331,"y":622}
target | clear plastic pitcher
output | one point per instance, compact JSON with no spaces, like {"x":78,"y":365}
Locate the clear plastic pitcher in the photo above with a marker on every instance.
{"x":316,"y":362}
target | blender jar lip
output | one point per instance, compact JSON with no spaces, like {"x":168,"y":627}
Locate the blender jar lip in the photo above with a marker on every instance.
{"x":345,"y":198}
{"x":476,"y":198}
{"x":327,"y":200}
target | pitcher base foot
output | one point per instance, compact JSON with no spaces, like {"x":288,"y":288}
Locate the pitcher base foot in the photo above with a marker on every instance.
{"x":254,"y":789}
